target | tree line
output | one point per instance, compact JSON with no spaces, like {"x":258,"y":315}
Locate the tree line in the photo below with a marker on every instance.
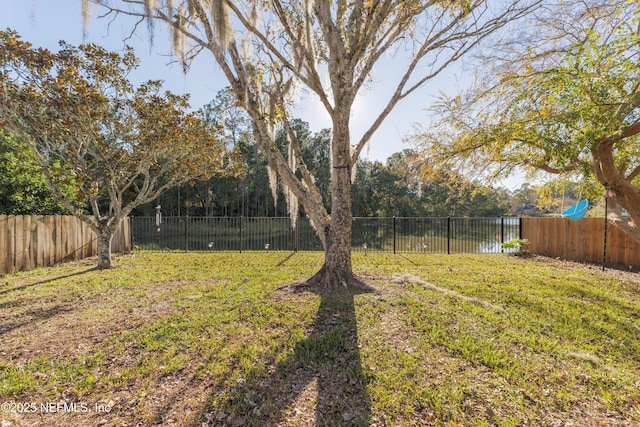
{"x":401,"y":186}
{"x":397,"y":187}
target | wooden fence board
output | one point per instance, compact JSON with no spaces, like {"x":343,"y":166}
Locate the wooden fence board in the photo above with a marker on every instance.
{"x":11,"y":244}
{"x":572,"y":228}
{"x":632,"y":252}
{"x":30,"y":253}
{"x":40,"y":244}
{"x":615,"y":240}
{"x":27,"y":242}
{"x":18,"y":244}
{"x":581,"y":240}
{"x":82,"y":239}
{"x":77,"y":241}
{"x":68,"y":237}
{"x":122,"y":238}
{"x":49,"y":240}
{"x":612,"y":240}
{"x":57,"y":239}
{"x":594,"y":240}
{"x":4,"y":229}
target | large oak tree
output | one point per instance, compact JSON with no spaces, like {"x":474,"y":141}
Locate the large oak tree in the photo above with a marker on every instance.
{"x":567,"y":104}
{"x":98,"y":139}
{"x":271,"y":49}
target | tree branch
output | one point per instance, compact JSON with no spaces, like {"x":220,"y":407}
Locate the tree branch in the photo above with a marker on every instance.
{"x":633,"y":175}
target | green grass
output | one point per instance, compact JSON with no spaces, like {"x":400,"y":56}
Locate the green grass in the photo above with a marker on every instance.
{"x":189,"y":338}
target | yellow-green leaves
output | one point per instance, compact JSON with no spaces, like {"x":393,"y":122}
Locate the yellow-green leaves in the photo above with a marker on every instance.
{"x":569,"y":106}
{"x":123,"y":145}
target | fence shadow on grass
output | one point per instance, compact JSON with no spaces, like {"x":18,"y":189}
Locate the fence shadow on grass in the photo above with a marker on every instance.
{"x":323,"y":377}
{"x":33,"y":316}
{"x":42,"y":282}
{"x":285,"y":259}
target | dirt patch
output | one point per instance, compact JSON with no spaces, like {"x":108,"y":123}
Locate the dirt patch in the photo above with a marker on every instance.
{"x":75,"y":329}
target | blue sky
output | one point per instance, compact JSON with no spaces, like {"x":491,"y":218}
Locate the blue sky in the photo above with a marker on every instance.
{"x":45,"y":22}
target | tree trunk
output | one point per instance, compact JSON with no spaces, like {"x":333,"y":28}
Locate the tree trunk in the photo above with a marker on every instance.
{"x":105,"y":236}
{"x":334,"y":230}
{"x":627,"y":225}
{"x":337,"y":270}
{"x":627,"y":195}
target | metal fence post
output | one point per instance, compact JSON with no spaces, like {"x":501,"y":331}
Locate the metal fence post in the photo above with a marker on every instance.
{"x":448,"y":235}
{"x":394,"y":234}
{"x":186,"y":230}
{"x":604,"y":240}
{"x":520,"y":228}
{"x":501,"y":233}
{"x":240,"y":233}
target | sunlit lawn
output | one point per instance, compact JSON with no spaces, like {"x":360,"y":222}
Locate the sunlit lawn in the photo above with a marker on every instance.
{"x":218,"y":339}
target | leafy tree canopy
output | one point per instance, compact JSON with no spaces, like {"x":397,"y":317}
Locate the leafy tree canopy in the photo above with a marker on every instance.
{"x":570,"y":108}
{"x":23,"y":187}
{"x":86,"y":125}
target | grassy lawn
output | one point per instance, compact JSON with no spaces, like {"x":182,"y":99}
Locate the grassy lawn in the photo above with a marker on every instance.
{"x":218,"y":339}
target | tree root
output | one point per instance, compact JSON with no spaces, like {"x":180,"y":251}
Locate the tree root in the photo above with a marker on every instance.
{"x":407,"y":278}
{"x":325,"y":281}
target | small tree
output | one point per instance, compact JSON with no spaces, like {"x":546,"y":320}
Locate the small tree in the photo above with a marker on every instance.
{"x":119,"y":146}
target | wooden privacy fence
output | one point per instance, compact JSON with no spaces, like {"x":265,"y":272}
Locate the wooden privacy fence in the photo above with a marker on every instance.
{"x":581,"y":240}
{"x":27,"y":242}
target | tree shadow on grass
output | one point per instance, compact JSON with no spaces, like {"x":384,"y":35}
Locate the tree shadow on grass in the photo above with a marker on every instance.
{"x":322,"y":383}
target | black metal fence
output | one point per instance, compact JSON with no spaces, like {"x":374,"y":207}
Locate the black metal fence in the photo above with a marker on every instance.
{"x":427,"y":235}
